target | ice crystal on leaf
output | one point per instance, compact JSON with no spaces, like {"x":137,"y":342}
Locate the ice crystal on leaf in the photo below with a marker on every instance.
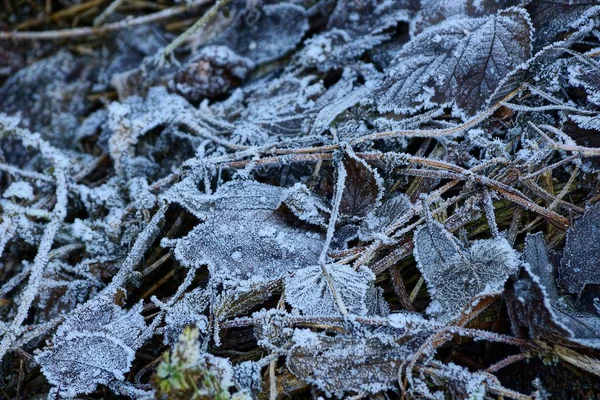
{"x":460,"y":61}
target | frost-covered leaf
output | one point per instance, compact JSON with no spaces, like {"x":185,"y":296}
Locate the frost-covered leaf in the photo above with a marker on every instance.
{"x":580,"y":265}
{"x":238,"y":298}
{"x":266,"y":33}
{"x":95,"y":345}
{"x":308,"y":289}
{"x":536,"y":314}
{"x":454,"y":276}
{"x":536,"y":308}
{"x":363,"y":362}
{"x":50,"y":95}
{"x":282,"y":107}
{"x":586,"y":77}
{"x":303,"y":204}
{"x":133,"y":118}
{"x":20,"y":190}
{"x":384,"y":216}
{"x":364,"y":186}
{"x":335,"y":49}
{"x":587,"y":122}
{"x":536,"y":255}
{"x":553,"y":18}
{"x":187,"y":311}
{"x":434,"y":246}
{"x":243,"y":238}
{"x":436,"y":11}
{"x":360,"y":17}
{"x":458,"y":62}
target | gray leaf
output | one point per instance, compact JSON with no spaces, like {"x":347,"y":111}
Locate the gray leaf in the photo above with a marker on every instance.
{"x":307,"y":290}
{"x":458,"y":62}
{"x":580,"y":265}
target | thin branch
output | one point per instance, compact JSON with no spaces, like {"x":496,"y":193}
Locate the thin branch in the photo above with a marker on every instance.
{"x":179,"y":40}
{"x":74,"y":33}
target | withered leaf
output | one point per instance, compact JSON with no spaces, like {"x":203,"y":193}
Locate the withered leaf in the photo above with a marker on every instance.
{"x":580,"y":265}
{"x":364,"y":187}
{"x":364,"y":362}
{"x":435,"y":11}
{"x":551,"y":18}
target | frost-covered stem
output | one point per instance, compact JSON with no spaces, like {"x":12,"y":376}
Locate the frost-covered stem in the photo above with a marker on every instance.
{"x":535,"y":188}
{"x":518,"y":107}
{"x":107,"y":12}
{"x":500,"y":390}
{"x":189,"y":279}
{"x":565,"y":190}
{"x":471,"y":123}
{"x":179,"y":40}
{"x":506,"y":191}
{"x":243,"y":322}
{"x":583,"y":151}
{"x":197,"y":130}
{"x":26,"y":174}
{"x":549,"y":168}
{"x":488,"y":207}
{"x":7,"y":230}
{"x":73,"y":33}
{"x":14,"y":281}
{"x":506,"y":362}
{"x":144,"y":239}
{"x":58,"y":215}
{"x":337,"y":199}
{"x":272,"y":380}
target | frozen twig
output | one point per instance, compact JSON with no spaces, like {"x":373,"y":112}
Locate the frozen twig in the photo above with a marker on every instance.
{"x":74,"y":33}
{"x":59,"y":212}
